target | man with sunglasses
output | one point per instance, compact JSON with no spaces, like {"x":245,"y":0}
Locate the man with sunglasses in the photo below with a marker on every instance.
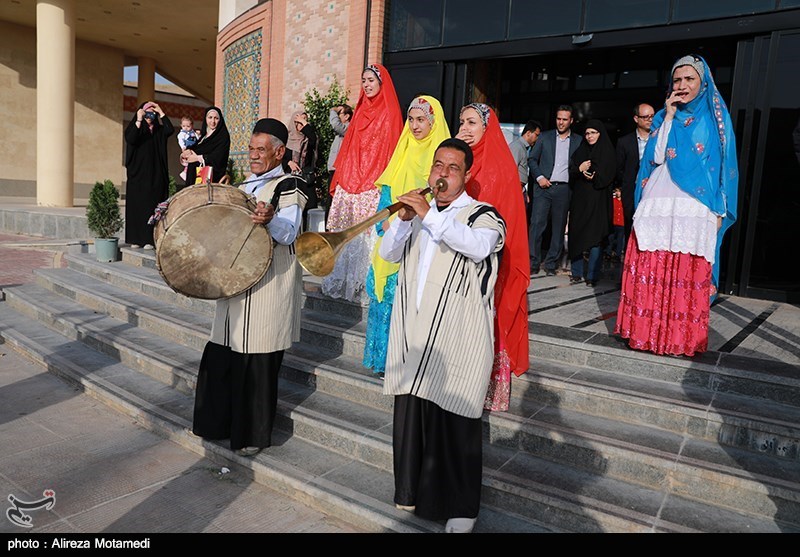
{"x":630,"y":148}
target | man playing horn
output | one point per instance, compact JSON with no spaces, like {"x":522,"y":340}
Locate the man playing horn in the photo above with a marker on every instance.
{"x":237,"y":384}
{"x":441,"y":341}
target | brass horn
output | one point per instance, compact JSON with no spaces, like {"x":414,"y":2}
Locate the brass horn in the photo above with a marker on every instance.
{"x":317,"y":251}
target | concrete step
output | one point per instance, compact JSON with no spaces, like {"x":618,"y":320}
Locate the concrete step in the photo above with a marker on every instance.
{"x":731,"y":420}
{"x":640,"y":402}
{"x":583,"y":442}
{"x":312,"y":286}
{"x":770,"y":380}
{"x":341,"y":481}
{"x":764,"y":427}
{"x":329,"y":480}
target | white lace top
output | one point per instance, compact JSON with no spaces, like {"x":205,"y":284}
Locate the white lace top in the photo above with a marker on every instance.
{"x":669,"y":219}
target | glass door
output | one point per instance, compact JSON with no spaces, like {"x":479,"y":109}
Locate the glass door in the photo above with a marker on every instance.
{"x":766,"y":112}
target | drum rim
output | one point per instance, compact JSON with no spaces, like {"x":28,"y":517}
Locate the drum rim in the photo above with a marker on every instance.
{"x":158,"y":249}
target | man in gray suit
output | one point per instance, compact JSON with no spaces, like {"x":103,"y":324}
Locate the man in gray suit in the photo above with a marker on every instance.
{"x":549,"y":165}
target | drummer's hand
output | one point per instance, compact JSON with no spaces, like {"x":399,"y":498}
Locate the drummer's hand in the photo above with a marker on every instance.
{"x":416,"y":203}
{"x":264,"y":213}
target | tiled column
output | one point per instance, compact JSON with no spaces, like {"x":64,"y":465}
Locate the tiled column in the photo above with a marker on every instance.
{"x":55,"y":102}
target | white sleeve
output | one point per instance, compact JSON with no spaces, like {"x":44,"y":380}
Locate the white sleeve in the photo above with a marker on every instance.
{"x":285,"y":224}
{"x":394,"y":240}
{"x":661,"y":146}
{"x":475,"y":243}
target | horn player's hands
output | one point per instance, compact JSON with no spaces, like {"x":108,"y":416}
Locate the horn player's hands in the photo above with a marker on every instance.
{"x":415,"y":205}
{"x":263,"y":214}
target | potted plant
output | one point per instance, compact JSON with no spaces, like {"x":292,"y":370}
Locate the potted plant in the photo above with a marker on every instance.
{"x":104,"y":220}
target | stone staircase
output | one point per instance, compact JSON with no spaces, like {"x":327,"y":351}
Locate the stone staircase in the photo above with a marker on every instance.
{"x":598,"y":438}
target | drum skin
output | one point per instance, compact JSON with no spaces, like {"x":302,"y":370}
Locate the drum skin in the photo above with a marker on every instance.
{"x":207,"y":246}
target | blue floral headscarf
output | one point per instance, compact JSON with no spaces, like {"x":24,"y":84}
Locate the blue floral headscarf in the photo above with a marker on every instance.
{"x":701,"y":152}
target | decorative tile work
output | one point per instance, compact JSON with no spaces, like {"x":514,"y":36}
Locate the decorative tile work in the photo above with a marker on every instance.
{"x":241,"y":91}
{"x":316,"y":51}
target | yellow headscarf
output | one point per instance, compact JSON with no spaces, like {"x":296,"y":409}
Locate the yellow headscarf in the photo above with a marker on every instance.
{"x":408,"y":169}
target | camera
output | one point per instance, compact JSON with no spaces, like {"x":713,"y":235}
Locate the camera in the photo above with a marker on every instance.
{"x":150,"y":114}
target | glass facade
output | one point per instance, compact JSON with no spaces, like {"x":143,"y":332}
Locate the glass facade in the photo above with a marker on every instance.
{"x":602,"y":15}
{"x":530,"y":65}
{"x":543,"y":18}
{"x":692,"y":10}
{"x":415,"y":24}
{"x":469,"y":22}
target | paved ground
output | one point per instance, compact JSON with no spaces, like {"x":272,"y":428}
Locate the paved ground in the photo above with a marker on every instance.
{"x":110,"y":475}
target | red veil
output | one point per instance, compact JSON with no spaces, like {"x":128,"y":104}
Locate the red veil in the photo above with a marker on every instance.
{"x":495,"y":180}
{"x":370,"y":139}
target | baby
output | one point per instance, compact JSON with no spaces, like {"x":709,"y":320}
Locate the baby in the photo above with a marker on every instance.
{"x":187,"y":138}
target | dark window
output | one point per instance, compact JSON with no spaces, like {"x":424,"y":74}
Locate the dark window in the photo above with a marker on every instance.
{"x":693,"y":10}
{"x":415,"y":24}
{"x":474,"y":21}
{"x":417,"y":79}
{"x":779,"y":199}
{"x":541,"y":18}
{"x":634,"y":79}
{"x":625,"y":14}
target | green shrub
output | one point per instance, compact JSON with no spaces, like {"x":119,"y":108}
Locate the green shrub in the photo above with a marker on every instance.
{"x":102,"y":213}
{"x":318,"y":108}
{"x":235,"y":176}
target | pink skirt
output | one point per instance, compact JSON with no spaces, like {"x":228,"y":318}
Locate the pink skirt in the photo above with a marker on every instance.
{"x":665,"y":301}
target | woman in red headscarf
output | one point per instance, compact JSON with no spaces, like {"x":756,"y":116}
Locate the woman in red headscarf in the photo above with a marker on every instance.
{"x":366,"y":149}
{"x":495,"y":180}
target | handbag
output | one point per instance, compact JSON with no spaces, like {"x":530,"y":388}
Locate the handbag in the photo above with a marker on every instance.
{"x":204,"y":175}
{"x":619,"y":217}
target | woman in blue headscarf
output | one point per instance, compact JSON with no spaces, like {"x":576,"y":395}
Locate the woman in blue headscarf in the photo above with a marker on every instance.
{"x":685,"y":200}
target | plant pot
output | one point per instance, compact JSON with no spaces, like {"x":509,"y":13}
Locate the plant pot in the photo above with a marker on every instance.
{"x":106,"y":249}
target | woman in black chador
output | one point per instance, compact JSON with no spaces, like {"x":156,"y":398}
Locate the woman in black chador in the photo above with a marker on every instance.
{"x":592,"y":168}
{"x":147,"y":169}
{"x":212,"y":150}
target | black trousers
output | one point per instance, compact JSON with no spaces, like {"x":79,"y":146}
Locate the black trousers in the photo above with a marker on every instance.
{"x":437,"y":460}
{"x":236,"y":396}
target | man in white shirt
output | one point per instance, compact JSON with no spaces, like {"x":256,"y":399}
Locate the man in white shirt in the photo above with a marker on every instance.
{"x":521,"y":148}
{"x":549,"y":164}
{"x":630,"y":149}
{"x":441,"y":341}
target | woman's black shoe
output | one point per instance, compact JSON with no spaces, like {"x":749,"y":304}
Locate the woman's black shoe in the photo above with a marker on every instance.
{"x":574,"y":280}
{"x":591,"y":283}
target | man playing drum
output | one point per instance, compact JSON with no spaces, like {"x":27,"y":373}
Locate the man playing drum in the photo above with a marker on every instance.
{"x":237,"y":384}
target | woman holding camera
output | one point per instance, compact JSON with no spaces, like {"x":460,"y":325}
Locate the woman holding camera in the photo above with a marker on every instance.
{"x":147,"y":182}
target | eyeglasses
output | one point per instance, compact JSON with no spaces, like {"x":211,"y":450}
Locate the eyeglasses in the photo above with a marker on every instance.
{"x":591,"y":133}
{"x":645,"y":116}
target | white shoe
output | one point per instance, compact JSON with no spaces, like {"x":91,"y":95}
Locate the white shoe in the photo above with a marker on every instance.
{"x":148,"y":246}
{"x":135,"y":246}
{"x":248,"y":451}
{"x":409,"y":508}
{"x":460,"y":525}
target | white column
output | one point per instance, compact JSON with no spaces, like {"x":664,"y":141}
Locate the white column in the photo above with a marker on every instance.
{"x":55,"y":102}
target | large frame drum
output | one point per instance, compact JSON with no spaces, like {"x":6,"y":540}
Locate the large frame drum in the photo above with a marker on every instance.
{"x":207,"y":246}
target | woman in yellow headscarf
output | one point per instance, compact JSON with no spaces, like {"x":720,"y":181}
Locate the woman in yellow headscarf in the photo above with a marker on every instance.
{"x":408,"y":169}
